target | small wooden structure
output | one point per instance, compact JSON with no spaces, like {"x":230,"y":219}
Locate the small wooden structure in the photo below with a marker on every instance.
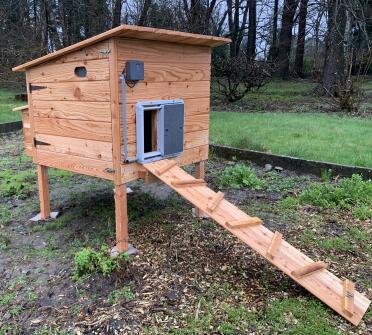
{"x":118,"y":105}
{"x":75,"y":120}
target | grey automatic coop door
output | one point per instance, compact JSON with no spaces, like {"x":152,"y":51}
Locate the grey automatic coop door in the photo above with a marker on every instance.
{"x":160,"y":129}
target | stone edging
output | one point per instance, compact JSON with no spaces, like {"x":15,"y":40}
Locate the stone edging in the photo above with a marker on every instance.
{"x":10,"y":126}
{"x":290,"y":163}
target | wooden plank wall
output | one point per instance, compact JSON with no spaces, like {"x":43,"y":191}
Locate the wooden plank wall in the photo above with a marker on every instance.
{"x":72,"y":114}
{"x":172,"y":71}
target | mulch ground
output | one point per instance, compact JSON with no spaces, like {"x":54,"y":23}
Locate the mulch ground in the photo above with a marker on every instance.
{"x":182,"y":263}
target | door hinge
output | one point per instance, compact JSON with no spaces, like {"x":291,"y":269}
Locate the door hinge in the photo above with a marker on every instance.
{"x":36,"y":88}
{"x":37,"y":142}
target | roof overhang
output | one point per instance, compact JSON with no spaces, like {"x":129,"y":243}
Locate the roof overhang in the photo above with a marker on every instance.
{"x":136,"y":32}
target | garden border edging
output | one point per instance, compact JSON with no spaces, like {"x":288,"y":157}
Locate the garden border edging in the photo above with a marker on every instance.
{"x":10,"y":126}
{"x":290,"y":163}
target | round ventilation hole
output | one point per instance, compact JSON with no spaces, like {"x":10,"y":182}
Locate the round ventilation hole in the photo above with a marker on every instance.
{"x":81,"y":71}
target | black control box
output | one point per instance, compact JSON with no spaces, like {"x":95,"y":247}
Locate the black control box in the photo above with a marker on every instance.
{"x":135,"y":70}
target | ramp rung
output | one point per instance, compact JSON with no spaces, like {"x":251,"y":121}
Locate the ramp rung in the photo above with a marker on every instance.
{"x":166,"y":167}
{"x":309,"y":269}
{"x":249,"y":221}
{"x":188,"y":183}
{"x":348,"y":298}
{"x":274,"y":245}
{"x":215,"y":201}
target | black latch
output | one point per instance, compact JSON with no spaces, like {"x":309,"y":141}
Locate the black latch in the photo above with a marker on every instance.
{"x":37,"y":142}
{"x":36,"y":88}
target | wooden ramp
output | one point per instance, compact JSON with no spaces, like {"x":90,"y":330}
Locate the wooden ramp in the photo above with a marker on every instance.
{"x":338,"y":294}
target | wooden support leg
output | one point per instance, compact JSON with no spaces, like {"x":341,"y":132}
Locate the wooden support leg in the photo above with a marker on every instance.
{"x":121,"y":218}
{"x":200,"y":174}
{"x":42,"y":177}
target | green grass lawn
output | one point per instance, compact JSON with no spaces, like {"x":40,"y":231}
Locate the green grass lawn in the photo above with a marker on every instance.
{"x":295,"y":90}
{"x":323,"y":137}
{"x":277,"y":91}
{"x":282,"y":91}
{"x":289,"y":96}
{"x":7,"y":103}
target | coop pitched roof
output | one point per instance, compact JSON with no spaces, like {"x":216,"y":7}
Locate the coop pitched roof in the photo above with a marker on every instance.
{"x":130,"y":31}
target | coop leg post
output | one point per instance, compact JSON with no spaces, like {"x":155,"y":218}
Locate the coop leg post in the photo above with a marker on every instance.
{"x":200,"y":174}
{"x":42,"y":177}
{"x":121,"y":218}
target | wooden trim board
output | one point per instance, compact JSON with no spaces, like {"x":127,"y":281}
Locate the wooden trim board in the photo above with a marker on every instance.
{"x":115,"y":111}
{"x":88,"y":166}
{"x":76,"y":147}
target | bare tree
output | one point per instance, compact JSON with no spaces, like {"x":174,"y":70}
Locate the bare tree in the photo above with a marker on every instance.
{"x":334,"y":64}
{"x":300,"y":50}
{"x":252,"y":27}
{"x":348,"y":53}
{"x":143,"y":16}
{"x":116,"y":16}
{"x":236,"y":76}
{"x":236,"y":24}
{"x":273,"y":52}
{"x":285,"y":37}
{"x":199,"y":14}
{"x":317,"y":60}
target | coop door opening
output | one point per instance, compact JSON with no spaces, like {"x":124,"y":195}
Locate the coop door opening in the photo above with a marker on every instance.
{"x":150,"y":130}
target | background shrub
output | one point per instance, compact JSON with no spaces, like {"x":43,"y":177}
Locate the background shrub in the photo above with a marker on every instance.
{"x":240,"y":175}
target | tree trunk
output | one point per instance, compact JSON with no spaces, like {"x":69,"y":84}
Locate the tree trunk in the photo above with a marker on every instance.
{"x":145,"y":9}
{"x":241,"y":28}
{"x":252,"y":26}
{"x":96,"y":17}
{"x":230,"y":22}
{"x":334,"y":62}
{"x":285,"y":37}
{"x":316,"y":70}
{"x":236,"y":25}
{"x":300,"y":50}
{"x":116,"y":17}
{"x":55,"y":42}
{"x":273,"y":51}
{"x":208,"y":16}
{"x":199,"y":15}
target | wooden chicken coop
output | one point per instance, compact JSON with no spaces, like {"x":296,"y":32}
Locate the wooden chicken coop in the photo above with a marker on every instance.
{"x":133,"y":103}
{"x":127,"y":96}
